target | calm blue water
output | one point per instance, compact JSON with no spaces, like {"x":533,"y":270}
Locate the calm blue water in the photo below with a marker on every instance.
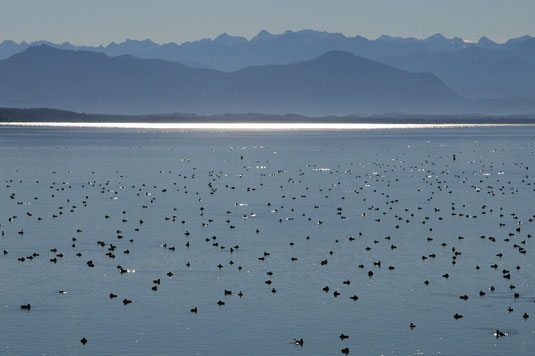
{"x":327,"y":186}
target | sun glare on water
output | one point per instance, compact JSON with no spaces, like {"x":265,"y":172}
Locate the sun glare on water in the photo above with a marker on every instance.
{"x":246,"y":125}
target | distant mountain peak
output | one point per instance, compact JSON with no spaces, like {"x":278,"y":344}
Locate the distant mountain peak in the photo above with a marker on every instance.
{"x":437,"y":36}
{"x":47,"y":49}
{"x":486,"y":42}
{"x":517,"y":40}
{"x":227,"y":39}
{"x":263,"y":35}
{"x":8,"y":42}
{"x":145,"y":42}
{"x":40,"y":47}
{"x":131,"y":46}
{"x":313,"y":35}
{"x":43,"y":51}
{"x":131,"y":41}
{"x":385,"y":38}
{"x":37,"y":51}
{"x":391,"y":39}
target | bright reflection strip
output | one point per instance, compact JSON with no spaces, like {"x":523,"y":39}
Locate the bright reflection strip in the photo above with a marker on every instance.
{"x":248,"y":126}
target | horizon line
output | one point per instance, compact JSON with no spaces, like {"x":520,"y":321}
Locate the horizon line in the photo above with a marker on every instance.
{"x":213,"y":38}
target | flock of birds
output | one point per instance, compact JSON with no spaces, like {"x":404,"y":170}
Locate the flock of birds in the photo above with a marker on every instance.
{"x":333,"y":196}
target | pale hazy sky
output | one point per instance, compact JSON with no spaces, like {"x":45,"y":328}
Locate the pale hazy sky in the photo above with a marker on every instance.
{"x":102,"y":21}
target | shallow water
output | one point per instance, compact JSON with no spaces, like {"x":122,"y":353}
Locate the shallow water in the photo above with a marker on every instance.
{"x":375,"y":180}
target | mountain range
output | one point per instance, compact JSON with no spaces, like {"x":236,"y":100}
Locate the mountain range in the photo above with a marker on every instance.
{"x":483,"y":70}
{"x":230,"y":53}
{"x":477,"y":72}
{"x":336,"y":82}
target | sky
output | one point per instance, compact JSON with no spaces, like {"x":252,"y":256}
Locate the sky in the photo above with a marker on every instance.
{"x":95,"y":22}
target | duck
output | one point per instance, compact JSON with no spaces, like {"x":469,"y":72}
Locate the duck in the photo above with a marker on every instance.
{"x":499,"y":333}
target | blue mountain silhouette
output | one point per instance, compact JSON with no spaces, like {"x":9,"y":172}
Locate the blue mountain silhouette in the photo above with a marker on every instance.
{"x":335,"y":83}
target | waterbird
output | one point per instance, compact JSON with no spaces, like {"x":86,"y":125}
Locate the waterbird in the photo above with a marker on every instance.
{"x":499,"y":333}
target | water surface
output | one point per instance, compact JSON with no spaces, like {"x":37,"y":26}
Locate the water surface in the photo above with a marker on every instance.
{"x":349,"y":197}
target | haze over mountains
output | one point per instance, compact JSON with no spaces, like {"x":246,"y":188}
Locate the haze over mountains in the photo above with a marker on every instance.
{"x":228,"y":53}
{"x":334,"y":83}
{"x":478,"y":72}
{"x":498,"y":77}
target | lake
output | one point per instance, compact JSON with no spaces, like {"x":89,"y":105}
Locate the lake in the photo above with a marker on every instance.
{"x":323,"y":232}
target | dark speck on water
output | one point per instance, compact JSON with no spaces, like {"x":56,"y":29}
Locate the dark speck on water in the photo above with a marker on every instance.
{"x":237,"y":243}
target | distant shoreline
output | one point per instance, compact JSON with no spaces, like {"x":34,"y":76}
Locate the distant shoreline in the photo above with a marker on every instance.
{"x":45,"y":115}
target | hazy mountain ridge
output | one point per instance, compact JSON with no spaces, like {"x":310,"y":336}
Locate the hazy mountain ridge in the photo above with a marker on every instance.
{"x":334,"y":83}
{"x":478,"y":72}
{"x":484,"y":70}
{"x":229,"y":53}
